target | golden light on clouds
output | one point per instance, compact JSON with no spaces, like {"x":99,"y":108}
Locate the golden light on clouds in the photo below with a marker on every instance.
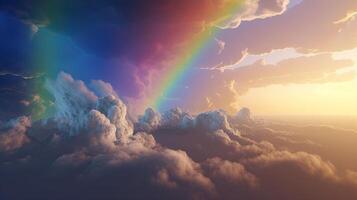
{"x":349,"y":16}
{"x":304,"y":99}
{"x":329,"y":98}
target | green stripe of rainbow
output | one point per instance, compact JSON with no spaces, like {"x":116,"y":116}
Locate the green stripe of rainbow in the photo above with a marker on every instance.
{"x":183,"y":63}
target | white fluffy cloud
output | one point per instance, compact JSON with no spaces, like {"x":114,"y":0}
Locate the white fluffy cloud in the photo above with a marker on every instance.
{"x":78,"y":109}
{"x":73,"y":101}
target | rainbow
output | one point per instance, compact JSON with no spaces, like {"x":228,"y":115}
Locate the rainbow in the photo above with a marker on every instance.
{"x":183,"y":63}
{"x":45,"y":57}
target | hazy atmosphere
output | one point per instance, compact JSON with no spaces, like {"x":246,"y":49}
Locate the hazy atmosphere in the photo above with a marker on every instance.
{"x":178,"y":99}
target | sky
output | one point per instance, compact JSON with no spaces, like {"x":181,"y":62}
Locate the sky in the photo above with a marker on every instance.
{"x":178,"y":99}
{"x":276,"y":57}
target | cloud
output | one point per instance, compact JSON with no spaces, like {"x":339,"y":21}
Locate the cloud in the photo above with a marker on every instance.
{"x":73,"y":100}
{"x":149,"y":121}
{"x":349,"y":16}
{"x":223,"y":88}
{"x":14,"y":94}
{"x":305,"y":173}
{"x":176,"y":118}
{"x":212,"y":121}
{"x":25,"y":77}
{"x":250,"y":10}
{"x":116,"y":112}
{"x":310,"y":164}
{"x":76,"y":105}
{"x":262,"y":168}
{"x":171,"y":155}
{"x":230,"y":172}
{"x":244,"y":115}
{"x":102,"y":88}
{"x":95,"y":150}
{"x":325,"y":138}
{"x":281,"y":31}
{"x":13,"y":133}
{"x":315,"y":69}
{"x":100,"y":127}
{"x":221,"y":45}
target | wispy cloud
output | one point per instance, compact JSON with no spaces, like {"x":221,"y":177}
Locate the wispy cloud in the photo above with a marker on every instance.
{"x":349,"y":17}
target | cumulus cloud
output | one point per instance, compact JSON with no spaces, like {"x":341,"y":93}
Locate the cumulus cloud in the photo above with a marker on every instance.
{"x":102,"y":89}
{"x":176,"y":118}
{"x":213,"y":121}
{"x":171,"y":155}
{"x":73,"y":100}
{"x":101,"y":128}
{"x":244,"y":115}
{"x":116,"y":111}
{"x":77,"y":108}
{"x":149,"y":121}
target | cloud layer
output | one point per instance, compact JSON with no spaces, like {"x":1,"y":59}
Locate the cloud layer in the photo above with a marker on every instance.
{"x":89,"y":148}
